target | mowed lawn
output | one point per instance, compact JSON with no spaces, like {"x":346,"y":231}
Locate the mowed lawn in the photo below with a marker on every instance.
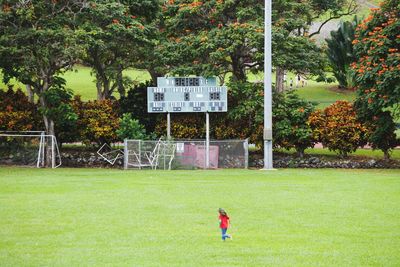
{"x":98,"y":217}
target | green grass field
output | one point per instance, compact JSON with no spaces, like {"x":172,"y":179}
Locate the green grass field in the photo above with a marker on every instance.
{"x":98,"y":217}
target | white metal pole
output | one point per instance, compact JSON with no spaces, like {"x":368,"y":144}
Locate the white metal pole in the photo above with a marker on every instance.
{"x":53,"y":157}
{"x":207,"y":140}
{"x":268,"y":86}
{"x":168,"y":125}
{"x":126,"y":154}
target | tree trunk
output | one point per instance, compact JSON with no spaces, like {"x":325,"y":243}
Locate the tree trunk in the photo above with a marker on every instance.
{"x":300,"y":153}
{"x":154,"y":75}
{"x":238,"y":69}
{"x":386,"y":154}
{"x":120,"y":83}
{"x":103,"y":90}
{"x":49,"y":124}
{"x":99,"y":90}
{"x":103,"y":87}
{"x":280,"y":83}
{"x":30,"y":93}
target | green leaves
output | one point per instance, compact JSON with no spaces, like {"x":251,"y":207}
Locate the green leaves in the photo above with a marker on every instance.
{"x":340,"y":52}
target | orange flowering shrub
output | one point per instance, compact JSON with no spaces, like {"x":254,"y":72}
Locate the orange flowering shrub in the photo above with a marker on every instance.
{"x":97,"y":120}
{"x":337,"y":128}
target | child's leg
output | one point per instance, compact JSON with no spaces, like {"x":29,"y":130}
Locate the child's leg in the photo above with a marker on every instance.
{"x":224,"y":234}
{"x":223,"y":230}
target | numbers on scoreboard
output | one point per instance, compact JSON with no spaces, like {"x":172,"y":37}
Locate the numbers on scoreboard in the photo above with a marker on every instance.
{"x":187,"y":82}
{"x":158,"y":97}
{"x":187,"y":96}
{"x":215,"y":96}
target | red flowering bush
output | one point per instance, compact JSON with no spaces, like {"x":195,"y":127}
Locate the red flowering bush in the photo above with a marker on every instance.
{"x":377,"y":47}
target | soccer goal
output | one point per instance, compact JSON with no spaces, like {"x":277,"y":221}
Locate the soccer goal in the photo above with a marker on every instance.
{"x":185,"y":154}
{"x":31,"y":149}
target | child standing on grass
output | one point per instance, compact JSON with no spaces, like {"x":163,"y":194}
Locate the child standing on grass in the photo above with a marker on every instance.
{"x":224,"y":224}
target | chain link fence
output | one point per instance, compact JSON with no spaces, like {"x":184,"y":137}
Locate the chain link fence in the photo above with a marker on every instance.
{"x":185,"y":154}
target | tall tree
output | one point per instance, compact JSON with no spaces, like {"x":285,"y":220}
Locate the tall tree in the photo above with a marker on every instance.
{"x":214,"y":37}
{"x":38,"y":42}
{"x":377,"y":47}
{"x":116,"y":30}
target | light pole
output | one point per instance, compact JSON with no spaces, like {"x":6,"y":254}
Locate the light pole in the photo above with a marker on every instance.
{"x":268,"y":86}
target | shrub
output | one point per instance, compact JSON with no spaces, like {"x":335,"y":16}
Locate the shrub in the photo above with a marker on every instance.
{"x":338,"y":129}
{"x":183,"y":126}
{"x":17,"y":113}
{"x":97,"y":120}
{"x":382,"y":133}
{"x":130,"y":128}
{"x":290,"y":128}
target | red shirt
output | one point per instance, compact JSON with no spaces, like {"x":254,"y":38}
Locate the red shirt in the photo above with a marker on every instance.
{"x":224,"y":221}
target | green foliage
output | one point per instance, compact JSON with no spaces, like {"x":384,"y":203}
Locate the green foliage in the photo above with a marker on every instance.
{"x":183,"y":126}
{"x":38,"y":42}
{"x":97,"y":120}
{"x":340,"y":52}
{"x":59,"y":109}
{"x":130,"y":128}
{"x":377,"y":46}
{"x":135,"y":103}
{"x":290,"y":116}
{"x":383,"y":133}
{"x":338,"y":129}
{"x":113,"y":31}
{"x":17,"y":113}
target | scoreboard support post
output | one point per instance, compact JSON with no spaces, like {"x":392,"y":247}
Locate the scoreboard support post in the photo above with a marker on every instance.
{"x":207,"y":140}
{"x":168,"y":125}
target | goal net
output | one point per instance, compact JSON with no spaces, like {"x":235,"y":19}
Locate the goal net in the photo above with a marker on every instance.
{"x":31,"y":149}
{"x":185,"y":154}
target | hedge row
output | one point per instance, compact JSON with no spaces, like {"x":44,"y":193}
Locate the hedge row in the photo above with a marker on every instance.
{"x":297,"y":124}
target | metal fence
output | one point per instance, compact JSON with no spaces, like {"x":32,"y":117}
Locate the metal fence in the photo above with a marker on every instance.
{"x":185,"y":154}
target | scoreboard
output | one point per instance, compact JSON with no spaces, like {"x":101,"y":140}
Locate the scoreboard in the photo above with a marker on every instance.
{"x":194,"y":94}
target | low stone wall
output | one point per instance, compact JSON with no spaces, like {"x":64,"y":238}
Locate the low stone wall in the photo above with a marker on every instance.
{"x":285,"y":161}
{"x":80,"y":159}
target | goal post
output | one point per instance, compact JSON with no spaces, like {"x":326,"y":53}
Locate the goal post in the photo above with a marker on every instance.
{"x":30,"y":149}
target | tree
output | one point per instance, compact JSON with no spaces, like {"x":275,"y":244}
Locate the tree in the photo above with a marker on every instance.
{"x":115,"y":32}
{"x":38,"y":42}
{"x":59,"y":109}
{"x":219,"y":37}
{"x":377,"y":70}
{"x":214,"y":37}
{"x":340,"y":52}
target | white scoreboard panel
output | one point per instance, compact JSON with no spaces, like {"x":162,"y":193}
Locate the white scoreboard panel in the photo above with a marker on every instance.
{"x":194,"y":94}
